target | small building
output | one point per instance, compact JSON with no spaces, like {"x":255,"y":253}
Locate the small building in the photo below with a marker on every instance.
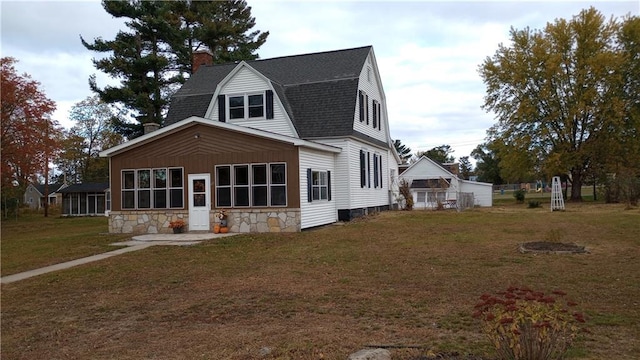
{"x":88,"y":199}
{"x":34,"y":195}
{"x":436,"y":185}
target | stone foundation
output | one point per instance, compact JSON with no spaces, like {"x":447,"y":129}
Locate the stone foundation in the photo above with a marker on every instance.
{"x":238,"y":221}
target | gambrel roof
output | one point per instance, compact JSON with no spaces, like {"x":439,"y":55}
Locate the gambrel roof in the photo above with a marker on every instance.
{"x":319,"y":91}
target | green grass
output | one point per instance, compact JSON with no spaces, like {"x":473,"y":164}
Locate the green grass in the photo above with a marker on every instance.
{"x":395,"y":278}
{"x":33,"y":241}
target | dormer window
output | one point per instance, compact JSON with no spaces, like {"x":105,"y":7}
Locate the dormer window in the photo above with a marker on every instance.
{"x":247,"y":106}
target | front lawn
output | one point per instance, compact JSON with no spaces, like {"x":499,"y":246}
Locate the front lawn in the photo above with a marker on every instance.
{"x":396,"y":278}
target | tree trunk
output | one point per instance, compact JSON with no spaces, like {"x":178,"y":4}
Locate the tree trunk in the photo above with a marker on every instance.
{"x":576,"y":185}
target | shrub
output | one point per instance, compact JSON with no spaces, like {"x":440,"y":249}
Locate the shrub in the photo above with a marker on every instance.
{"x":405,"y":192}
{"x":519,"y":195}
{"x":534,"y":204}
{"x":524,"y":324}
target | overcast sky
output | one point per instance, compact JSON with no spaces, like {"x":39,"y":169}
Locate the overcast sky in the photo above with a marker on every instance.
{"x":428,"y":52}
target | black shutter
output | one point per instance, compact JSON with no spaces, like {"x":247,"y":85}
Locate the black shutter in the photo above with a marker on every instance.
{"x":269,"y":103}
{"x":329,"y":185}
{"x":221,"y":108}
{"x":363,"y":171}
{"x":375,"y":170}
{"x":380,"y":170}
{"x":368,"y":169}
{"x":361,"y":103}
{"x":366,"y":104}
{"x":309,"y":188}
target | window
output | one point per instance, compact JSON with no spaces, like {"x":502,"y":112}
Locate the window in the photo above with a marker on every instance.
{"x":421,"y":196}
{"x":377,"y":170}
{"x":241,"y":185}
{"x":247,"y":106}
{"x":256,"y":185}
{"x":223,"y":186}
{"x":144,"y":189}
{"x":368,"y":74}
{"x":278,"y":185}
{"x":259,"y":187}
{"x":319,"y":187}
{"x":376,"y":113}
{"x":128,"y":190}
{"x":152,"y":189}
{"x":236,"y":107}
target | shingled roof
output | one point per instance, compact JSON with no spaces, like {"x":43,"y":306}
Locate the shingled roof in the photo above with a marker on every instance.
{"x":319,"y":91}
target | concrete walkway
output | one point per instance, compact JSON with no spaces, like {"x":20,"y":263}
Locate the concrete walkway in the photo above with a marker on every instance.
{"x":136,"y":243}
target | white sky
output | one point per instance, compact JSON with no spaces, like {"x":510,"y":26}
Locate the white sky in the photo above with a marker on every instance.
{"x":428,"y":52}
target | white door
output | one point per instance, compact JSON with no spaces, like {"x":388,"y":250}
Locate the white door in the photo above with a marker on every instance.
{"x":199,"y":201}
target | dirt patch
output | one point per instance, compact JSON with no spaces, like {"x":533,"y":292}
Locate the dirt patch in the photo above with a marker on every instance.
{"x":550,"y":247}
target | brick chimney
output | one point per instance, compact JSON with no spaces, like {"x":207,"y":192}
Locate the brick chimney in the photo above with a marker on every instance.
{"x":201,"y":57}
{"x":454,"y":168}
{"x":150,"y":127}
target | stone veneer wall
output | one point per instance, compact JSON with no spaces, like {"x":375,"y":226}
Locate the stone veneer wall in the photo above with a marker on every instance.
{"x":243,"y":221}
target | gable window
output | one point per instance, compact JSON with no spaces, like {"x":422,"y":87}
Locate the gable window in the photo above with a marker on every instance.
{"x":257,"y":185}
{"x":152,"y":188}
{"x":247,"y":106}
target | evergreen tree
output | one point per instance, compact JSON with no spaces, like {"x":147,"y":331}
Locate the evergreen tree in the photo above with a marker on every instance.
{"x":403,"y":151}
{"x":154,"y":56}
{"x":441,"y":154}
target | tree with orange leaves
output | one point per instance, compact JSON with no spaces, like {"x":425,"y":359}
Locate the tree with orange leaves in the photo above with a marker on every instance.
{"x":29,"y":137}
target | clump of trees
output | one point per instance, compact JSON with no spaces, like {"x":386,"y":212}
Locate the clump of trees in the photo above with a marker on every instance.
{"x":153,"y":57}
{"x":28,"y":134}
{"x":566,"y":101}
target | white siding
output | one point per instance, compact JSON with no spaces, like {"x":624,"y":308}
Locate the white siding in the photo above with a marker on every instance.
{"x":247,"y":81}
{"x":348,"y":193}
{"x":482,"y":192}
{"x":371,"y":85}
{"x":317,"y":212}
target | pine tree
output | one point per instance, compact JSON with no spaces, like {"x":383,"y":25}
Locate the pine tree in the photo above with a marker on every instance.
{"x":154,"y":56}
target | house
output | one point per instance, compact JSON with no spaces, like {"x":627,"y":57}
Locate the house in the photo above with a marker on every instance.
{"x":34,"y":195}
{"x":433,"y":184}
{"x":281,"y":144}
{"x":88,"y":199}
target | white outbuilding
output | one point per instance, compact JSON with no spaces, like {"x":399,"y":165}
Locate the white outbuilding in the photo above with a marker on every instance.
{"x":433,"y":185}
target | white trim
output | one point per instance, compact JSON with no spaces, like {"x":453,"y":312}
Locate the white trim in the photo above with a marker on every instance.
{"x":166,"y":131}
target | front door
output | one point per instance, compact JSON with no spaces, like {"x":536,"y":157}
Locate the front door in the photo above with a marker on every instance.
{"x":199,"y":201}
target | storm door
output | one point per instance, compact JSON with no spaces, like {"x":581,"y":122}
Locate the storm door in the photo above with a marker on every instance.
{"x":199,"y":201}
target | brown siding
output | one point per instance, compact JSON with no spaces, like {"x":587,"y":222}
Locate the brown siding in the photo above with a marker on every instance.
{"x":198,"y":149}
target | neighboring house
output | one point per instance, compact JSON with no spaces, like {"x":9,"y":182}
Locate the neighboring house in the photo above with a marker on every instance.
{"x":34,"y":195}
{"x":88,"y":199}
{"x":432,"y":184}
{"x":281,"y":144}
